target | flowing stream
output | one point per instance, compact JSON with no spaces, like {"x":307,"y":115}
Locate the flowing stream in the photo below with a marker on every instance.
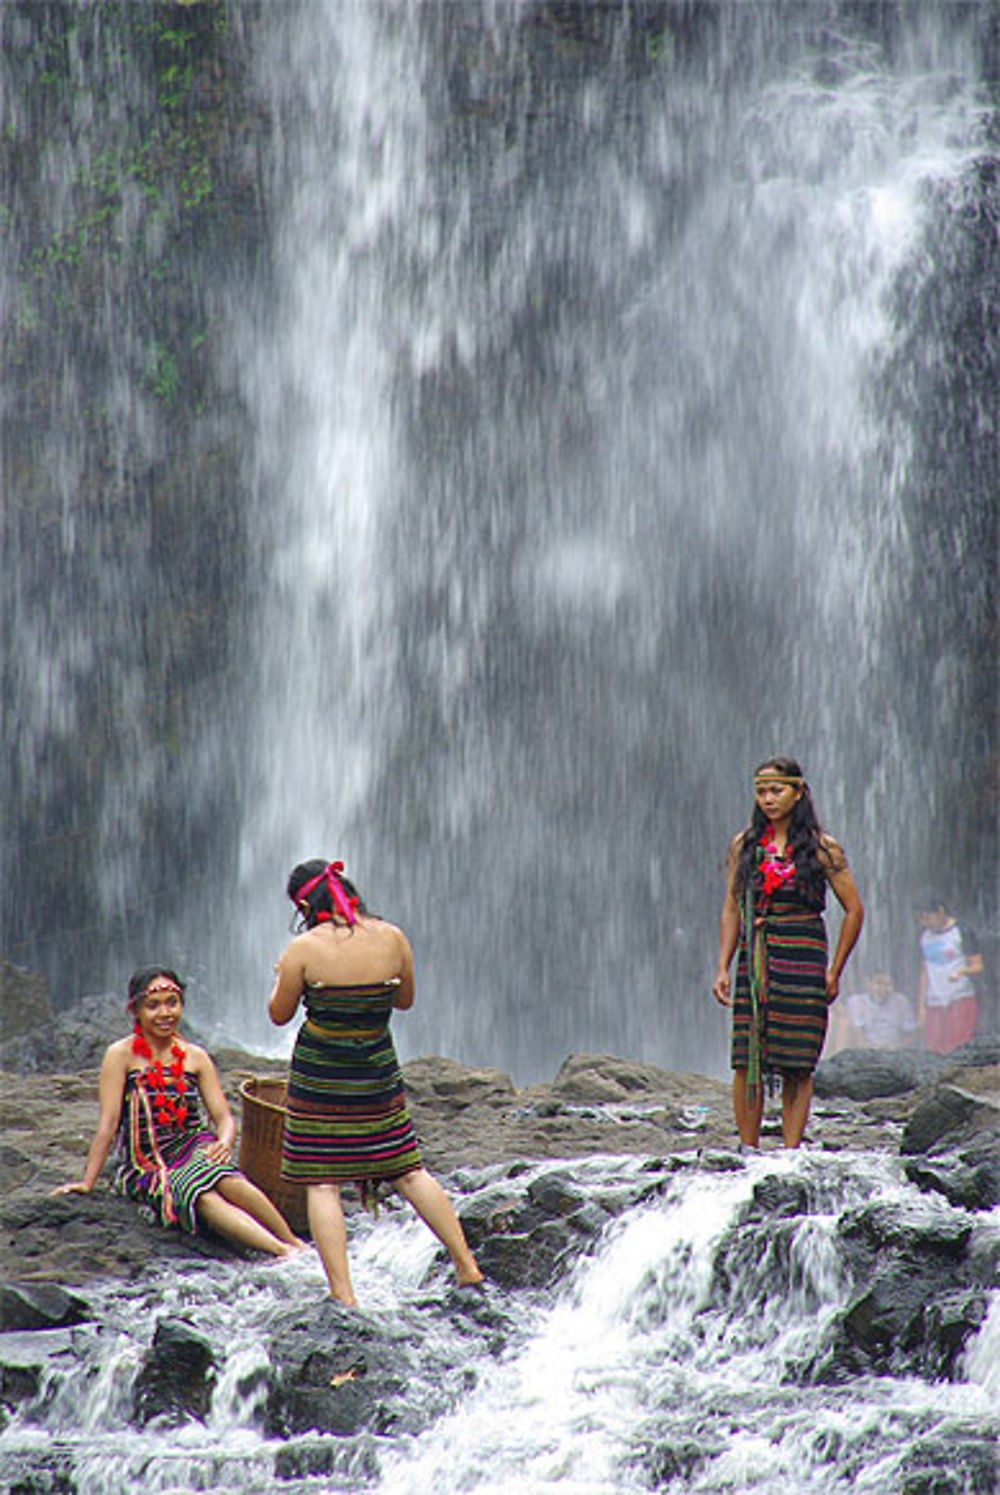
{"x":665,"y":1360}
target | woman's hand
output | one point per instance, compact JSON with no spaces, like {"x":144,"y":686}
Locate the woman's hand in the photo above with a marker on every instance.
{"x":219,"y":1151}
{"x":721,"y":988}
{"x":832,"y":986}
{"x":77,"y":1187}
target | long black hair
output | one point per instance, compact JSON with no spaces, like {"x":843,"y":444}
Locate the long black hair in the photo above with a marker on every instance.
{"x":804,"y":839}
{"x":318,"y":901}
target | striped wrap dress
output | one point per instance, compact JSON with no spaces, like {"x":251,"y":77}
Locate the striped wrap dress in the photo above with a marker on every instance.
{"x":345,"y":1112}
{"x":164,"y":1169}
{"x":789,"y":940}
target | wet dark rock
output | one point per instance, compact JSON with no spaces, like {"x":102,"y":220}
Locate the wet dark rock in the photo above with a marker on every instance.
{"x":962,"y":1464}
{"x":918,"y":1296}
{"x":335,"y":1371}
{"x":176,"y":1380}
{"x":39,"y":1306}
{"x":865,"y":1074}
{"x":948,"y":1115}
{"x":354,"y":1466}
{"x":664,"y":1461}
{"x":869,"y":1232}
{"x":25,"y":1356}
{"x":48,"y":1473}
{"x":968,"y":1178}
{"x":779,"y":1198}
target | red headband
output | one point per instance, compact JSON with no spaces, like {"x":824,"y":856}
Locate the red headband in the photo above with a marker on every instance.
{"x":344,"y":906}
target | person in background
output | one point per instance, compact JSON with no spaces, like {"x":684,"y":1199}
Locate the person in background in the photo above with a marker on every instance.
{"x":947,"y":1003}
{"x":346,"y":1118}
{"x":181,"y":1173}
{"x":777,"y":875}
{"x":880,"y":1017}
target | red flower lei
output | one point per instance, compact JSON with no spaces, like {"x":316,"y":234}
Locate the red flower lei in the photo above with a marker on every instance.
{"x":775,"y":869}
{"x":169,"y":1112}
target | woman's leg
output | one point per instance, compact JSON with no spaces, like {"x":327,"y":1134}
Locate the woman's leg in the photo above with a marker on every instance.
{"x":234,"y":1224}
{"x":796,"y":1096}
{"x":326,"y":1225}
{"x":434,"y":1207}
{"x":246,"y":1196}
{"x":748,"y":1116}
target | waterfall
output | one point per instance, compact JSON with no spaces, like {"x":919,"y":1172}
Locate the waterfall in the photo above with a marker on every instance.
{"x":464,"y":440}
{"x":584,"y":483}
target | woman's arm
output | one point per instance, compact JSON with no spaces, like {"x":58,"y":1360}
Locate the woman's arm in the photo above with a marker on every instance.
{"x":286,"y":993}
{"x":729,"y":928}
{"x":110,"y":1090}
{"x":200,"y":1065}
{"x":404,"y":991}
{"x":847,"y":895}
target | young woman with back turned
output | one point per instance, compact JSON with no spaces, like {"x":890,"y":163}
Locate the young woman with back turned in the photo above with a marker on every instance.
{"x":346,"y":1118}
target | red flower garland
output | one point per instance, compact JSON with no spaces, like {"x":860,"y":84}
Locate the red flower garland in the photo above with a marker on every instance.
{"x":169,"y":1111}
{"x":775,"y":869}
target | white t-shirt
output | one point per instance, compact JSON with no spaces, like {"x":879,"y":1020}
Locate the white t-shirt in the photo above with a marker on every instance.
{"x":885,"y":1024}
{"x":943,"y":957}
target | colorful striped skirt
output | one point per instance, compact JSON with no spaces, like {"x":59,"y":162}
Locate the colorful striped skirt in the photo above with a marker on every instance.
{"x":793,"y":1009}
{"x":345,"y":1112}
{"x":164,"y":1169}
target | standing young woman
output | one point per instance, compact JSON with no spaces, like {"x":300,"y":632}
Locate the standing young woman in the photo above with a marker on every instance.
{"x":777,"y":874}
{"x":346,"y":1118}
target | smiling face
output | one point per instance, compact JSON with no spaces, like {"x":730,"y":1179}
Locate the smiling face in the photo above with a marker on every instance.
{"x":776,"y":794}
{"x":159,"y":1009}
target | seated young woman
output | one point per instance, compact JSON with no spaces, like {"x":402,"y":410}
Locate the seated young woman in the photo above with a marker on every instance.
{"x":167,"y":1160}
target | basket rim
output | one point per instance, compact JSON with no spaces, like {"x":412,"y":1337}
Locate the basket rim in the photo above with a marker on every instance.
{"x":259,"y":1100}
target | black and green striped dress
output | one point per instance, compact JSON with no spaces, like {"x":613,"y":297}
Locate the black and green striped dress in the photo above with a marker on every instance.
{"x":346,"y":1118}
{"x":793,"y":1006}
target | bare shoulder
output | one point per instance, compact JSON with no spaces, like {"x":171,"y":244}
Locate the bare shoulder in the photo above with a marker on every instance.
{"x":831,"y":855}
{"x":116,"y":1055}
{"x":195,"y":1057}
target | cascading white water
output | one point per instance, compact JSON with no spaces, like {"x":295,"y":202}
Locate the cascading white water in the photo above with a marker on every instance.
{"x":582,"y":485}
{"x":644,"y":1355}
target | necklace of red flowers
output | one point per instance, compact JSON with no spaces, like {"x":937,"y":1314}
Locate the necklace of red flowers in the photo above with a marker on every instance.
{"x":170,"y":1110}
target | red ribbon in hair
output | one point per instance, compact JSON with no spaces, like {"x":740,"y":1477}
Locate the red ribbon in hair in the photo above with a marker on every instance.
{"x":344,"y":906}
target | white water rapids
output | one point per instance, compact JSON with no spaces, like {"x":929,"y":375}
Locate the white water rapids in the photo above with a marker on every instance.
{"x":637,"y":1373}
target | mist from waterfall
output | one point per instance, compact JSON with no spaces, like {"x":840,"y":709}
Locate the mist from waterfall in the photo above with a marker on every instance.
{"x":464,"y":439}
{"x":583,"y":483}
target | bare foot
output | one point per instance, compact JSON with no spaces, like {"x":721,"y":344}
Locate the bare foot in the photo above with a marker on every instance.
{"x":470,"y":1275}
{"x":350,"y":1302}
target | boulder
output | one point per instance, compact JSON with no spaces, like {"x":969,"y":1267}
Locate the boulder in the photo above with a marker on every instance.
{"x":177,"y":1376}
{"x":456,"y":1087}
{"x":338,"y":1371}
{"x":917,"y":1298}
{"x":968,"y":1177}
{"x":39,"y":1305}
{"x":947,"y":1116}
{"x":867,"y":1074}
{"x":597,"y":1079}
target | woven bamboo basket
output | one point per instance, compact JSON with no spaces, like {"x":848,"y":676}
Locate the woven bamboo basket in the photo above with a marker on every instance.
{"x":261,"y":1134}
